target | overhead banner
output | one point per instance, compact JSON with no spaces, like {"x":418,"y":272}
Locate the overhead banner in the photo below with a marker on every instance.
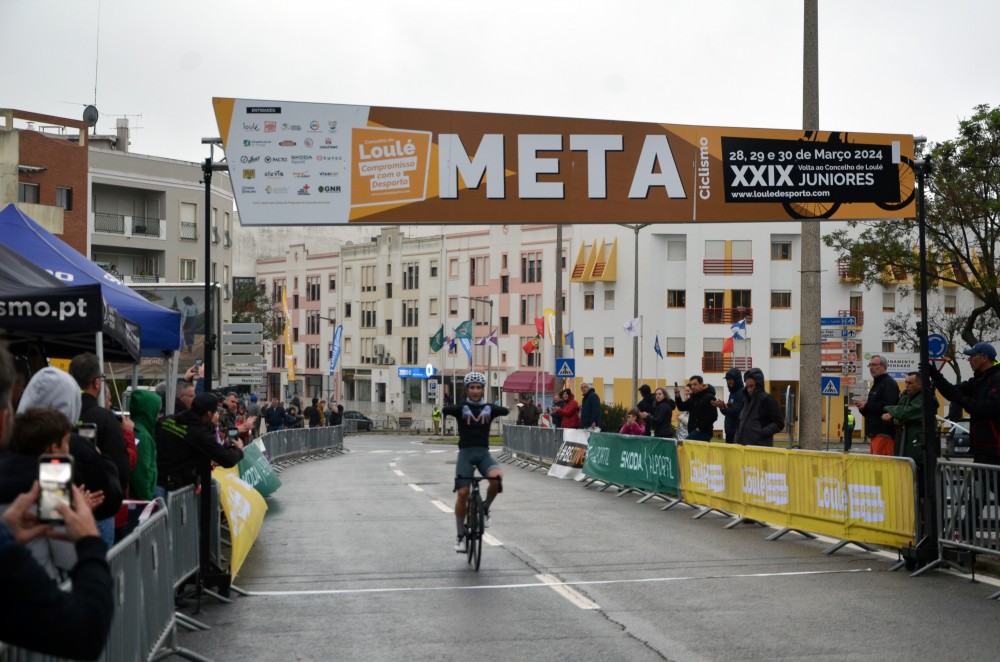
{"x":295,"y":163}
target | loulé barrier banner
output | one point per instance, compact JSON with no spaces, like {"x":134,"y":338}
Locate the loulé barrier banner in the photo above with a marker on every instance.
{"x":244,"y":509}
{"x":295,"y":163}
{"x":572,"y":453}
{"x":256,"y":471}
{"x":851,"y":497}
{"x":647,"y":463}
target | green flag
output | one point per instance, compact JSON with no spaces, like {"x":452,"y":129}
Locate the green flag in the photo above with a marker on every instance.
{"x":464,"y":330}
{"x":437,"y":340}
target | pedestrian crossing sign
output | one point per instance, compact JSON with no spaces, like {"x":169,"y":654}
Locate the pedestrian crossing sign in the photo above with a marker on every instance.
{"x":831,"y":385}
{"x":565,"y":367}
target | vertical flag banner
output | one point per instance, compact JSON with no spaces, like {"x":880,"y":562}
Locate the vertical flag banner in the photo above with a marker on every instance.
{"x":491,"y":338}
{"x":656,"y":346}
{"x":464,"y":330}
{"x":633,"y":327}
{"x":739,"y":329}
{"x":289,"y":352}
{"x":437,"y":340}
{"x":792,"y":344}
{"x":467,"y":346}
{"x":728,"y":347}
{"x":335,"y":350}
{"x":540,"y":326}
{"x":569,"y":339}
{"x":550,"y":321}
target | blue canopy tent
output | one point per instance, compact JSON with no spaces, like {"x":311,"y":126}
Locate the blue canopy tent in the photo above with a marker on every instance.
{"x":160,"y":328}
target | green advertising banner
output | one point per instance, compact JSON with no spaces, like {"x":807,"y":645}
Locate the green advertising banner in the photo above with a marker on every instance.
{"x":256,"y":471}
{"x":647,"y":463}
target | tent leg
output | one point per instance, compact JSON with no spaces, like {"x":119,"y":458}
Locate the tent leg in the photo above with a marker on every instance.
{"x":102,"y":397}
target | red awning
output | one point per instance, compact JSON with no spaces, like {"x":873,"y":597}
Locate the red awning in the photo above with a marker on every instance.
{"x":529,"y":381}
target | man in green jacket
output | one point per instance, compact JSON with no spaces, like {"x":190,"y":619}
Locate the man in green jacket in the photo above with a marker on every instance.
{"x":908,"y":416}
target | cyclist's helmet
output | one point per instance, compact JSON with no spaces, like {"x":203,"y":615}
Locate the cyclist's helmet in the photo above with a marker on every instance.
{"x":475,"y":378}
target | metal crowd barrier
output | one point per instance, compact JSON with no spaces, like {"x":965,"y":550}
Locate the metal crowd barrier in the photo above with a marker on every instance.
{"x":529,"y":445}
{"x":968,"y":512}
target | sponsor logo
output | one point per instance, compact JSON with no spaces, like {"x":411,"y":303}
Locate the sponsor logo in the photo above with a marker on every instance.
{"x":276,"y":190}
{"x":332,"y":126}
{"x":287,"y":143}
{"x":275,"y":159}
{"x":328,"y":173}
{"x":249,"y":173}
{"x":304,"y":190}
{"x":263,"y":110}
{"x":274,"y":174}
{"x":301,"y":174}
{"x":270,"y":127}
{"x":256,"y":143}
{"x":329,"y":158}
{"x":308,"y":142}
{"x":329,"y":189}
{"x":329,"y":144}
{"x":285,"y":126}
{"x":249,"y":159}
{"x":251,"y":126}
{"x":314,"y":125}
{"x":301,"y":158}
{"x":249,"y":189}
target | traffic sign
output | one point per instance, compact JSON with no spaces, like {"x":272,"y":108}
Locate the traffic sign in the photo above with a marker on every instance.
{"x":565,"y":367}
{"x":937,"y":345}
{"x":830,"y":385}
{"x":831,"y":345}
{"x":838,"y":321}
{"x":849,"y":380}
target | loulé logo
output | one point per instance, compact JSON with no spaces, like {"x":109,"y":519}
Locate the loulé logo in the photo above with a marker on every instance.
{"x":391,"y":166}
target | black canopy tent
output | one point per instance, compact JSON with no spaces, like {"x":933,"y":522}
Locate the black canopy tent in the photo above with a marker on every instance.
{"x":39,"y":314}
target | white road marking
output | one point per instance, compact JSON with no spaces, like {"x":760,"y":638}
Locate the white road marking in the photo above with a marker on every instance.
{"x":415,"y":487}
{"x":398,"y":472}
{"x":415,"y":589}
{"x":442,"y":506}
{"x":575,"y":598}
{"x":491,"y":541}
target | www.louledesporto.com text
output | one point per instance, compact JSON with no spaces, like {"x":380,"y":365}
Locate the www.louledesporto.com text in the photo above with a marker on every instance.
{"x":794,"y":195}
{"x":64,"y":310}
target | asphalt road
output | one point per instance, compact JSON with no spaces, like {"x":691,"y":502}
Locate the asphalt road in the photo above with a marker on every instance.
{"x":355,"y":562}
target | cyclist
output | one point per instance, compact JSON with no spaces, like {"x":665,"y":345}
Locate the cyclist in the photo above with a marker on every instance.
{"x":474,"y":416}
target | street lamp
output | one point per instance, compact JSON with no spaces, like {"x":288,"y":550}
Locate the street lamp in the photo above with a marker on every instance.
{"x":329,"y":391}
{"x":635,"y":305}
{"x":489,"y":351}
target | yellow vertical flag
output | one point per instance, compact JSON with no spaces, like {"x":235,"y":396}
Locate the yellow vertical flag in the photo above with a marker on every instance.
{"x":792,"y":344}
{"x":550,"y":321}
{"x":289,"y":353}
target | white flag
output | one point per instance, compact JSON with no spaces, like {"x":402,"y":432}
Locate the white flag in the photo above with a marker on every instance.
{"x":633,"y":327}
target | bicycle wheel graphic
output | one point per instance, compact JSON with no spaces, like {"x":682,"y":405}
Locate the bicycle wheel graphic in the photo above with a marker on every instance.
{"x":806,"y":210}
{"x":906,"y":186}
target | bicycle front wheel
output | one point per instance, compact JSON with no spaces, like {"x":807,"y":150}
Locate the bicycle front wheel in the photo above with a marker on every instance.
{"x":473,"y":524}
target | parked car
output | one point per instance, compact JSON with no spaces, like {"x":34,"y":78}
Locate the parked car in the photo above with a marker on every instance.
{"x":956,"y":440}
{"x":360,"y":421}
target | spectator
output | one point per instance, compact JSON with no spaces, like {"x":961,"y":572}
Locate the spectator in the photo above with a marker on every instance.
{"x":253,"y":410}
{"x":632,"y":425}
{"x":590,"y":408}
{"x":663,"y":414}
{"x":435,"y":417}
{"x":144,"y":407}
{"x":849,"y":432}
{"x":312,"y":415}
{"x":569,"y":410}
{"x":293,"y":419}
{"x":884,"y":391}
{"x":35,"y":613}
{"x":527,"y":411}
{"x":336,"y":415}
{"x":230,"y":418}
{"x":760,"y":418}
{"x":322,"y":412}
{"x":908,"y":417}
{"x":185,"y":395}
{"x":980,"y":396}
{"x":186,"y":445}
{"x":683,"y":417}
{"x":733,"y":406}
{"x":275,"y":416}
{"x":645,"y":406}
{"x":702,"y":414}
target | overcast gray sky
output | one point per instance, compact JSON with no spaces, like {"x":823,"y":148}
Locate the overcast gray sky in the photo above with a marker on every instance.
{"x":885,"y":66}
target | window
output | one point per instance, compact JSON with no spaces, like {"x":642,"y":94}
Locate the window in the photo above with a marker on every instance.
{"x":588,"y":300}
{"x":503,"y":260}
{"x":531,"y":307}
{"x":609,"y":346}
{"x":64,"y":198}
{"x":368,"y":278}
{"x":453,"y":306}
{"x":27,"y":193}
{"x":411,"y":276}
{"x":295,"y":334}
{"x":312,"y":288}
{"x":276,"y":287}
{"x":609,"y":300}
{"x":347,"y":310}
{"x":741,"y":299}
{"x":675,"y":346}
{"x":348,"y":276}
{"x":189,"y":221}
{"x":742,"y":249}
{"x":411,"y":316}
{"x":950,"y":303}
{"x":312,"y":325}
{"x":225,"y":282}
{"x":715,"y":300}
{"x":453,"y":267}
{"x":480,"y":312}
{"x":333,"y":282}
{"x":531,"y":267}
{"x":778,"y":349}
{"x":588,"y":346}
{"x":432,"y":307}
{"x":434,"y":268}
{"x":781,"y":250}
{"x":676,"y":298}
{"x":479,"y":268}
{"x":504,"y":284}
{"x":189,"y":269}
{"x":411,"y":350}
{"x":312,"y":357}
{"x":888,"y":302}
{"x":781,"y":299}
{"x":504,"y":326}
{"x":368,"y":317}
{"x":278,"y":356}
{"x":888,"y":346}
{"x":388,"y":327}
{"x":676,"y":250}
{"x":715,"y":249}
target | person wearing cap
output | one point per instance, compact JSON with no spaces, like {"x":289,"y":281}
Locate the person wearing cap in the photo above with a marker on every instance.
{"x":980,"y":396}
{"x":186,"y":441}
{"x":527,"y":411}
{"x":646,"y":405}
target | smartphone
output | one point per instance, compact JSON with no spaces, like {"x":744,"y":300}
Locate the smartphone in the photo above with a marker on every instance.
{"x":198,"y":362}
{"x":233,"y":433}
{"x":88,"y":431}
{"x":55,"y":478}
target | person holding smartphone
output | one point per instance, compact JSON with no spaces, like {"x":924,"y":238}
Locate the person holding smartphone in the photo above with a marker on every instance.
{"x":185,"y":445}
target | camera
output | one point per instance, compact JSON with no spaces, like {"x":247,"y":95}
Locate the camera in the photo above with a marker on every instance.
{"x":55,"y":478}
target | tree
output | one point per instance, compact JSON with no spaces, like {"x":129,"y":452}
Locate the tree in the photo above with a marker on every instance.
{"x":251,"y":304}
{"x":903,"y":328}
{"x":962,"y":224}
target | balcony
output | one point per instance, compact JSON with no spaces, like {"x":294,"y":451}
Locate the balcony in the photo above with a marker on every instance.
{"x":726,"y":315}
{"x":109,"y":223}
{"x":722,"y":363}
{"x":189,"y":231}
{"x":844,"y":273}
{"x":727,"y":267}
{"x":128,"y":226}
{"x":146,"y":227}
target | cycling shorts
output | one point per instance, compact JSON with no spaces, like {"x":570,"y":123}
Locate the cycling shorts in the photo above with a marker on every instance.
{"x":470,"y":459}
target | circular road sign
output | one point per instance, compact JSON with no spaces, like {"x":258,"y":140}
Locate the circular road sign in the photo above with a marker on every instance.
{"x":937,"y":345}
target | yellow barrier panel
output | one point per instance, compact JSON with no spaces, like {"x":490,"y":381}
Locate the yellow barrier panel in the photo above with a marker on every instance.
{"x":244,"y":508}
{"x":863,"y":498}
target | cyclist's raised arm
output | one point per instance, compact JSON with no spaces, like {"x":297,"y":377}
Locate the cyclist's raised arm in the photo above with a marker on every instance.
{"x":499,"y":410}
{"x":452,"y":410}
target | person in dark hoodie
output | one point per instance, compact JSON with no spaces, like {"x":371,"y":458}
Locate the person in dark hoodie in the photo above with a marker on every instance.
{"x":761,"y":417}
{"x":732,"y":407}
{"x":702,"y":413}
{"x":646,"y":405}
